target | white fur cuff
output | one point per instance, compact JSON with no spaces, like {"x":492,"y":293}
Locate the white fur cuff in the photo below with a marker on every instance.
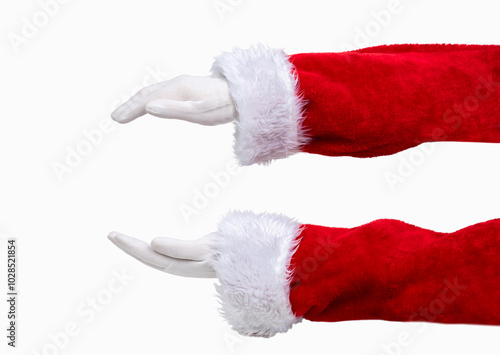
{"x":269,"y":109}
{"x":251,"y":257}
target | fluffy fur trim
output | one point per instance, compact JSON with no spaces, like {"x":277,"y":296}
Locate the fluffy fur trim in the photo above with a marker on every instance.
{"x":269,"y":108}
{"x":251,"y":257}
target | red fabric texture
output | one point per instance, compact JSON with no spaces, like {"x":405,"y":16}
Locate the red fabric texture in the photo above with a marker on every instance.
{"x":381,"y":100}
{"x":391,"y":270}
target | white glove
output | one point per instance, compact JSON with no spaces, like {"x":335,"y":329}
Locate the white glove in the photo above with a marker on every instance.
{"x":199,"y":99}
{"x":189,"y":258}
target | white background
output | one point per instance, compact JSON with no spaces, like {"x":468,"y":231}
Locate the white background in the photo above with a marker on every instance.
{"x":90,"y":56}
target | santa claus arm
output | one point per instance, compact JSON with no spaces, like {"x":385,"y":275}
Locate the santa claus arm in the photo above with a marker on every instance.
{"x":273,"y":271}
{"x":364,"y":103}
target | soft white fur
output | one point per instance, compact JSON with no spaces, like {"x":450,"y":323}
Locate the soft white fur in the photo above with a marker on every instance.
{"x":251,"y":257}
{"x":269,"y":107}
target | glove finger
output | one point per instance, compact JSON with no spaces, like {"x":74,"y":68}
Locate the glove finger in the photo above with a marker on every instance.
{"x":208,"y":113}
{"x":135,"y":106}
{"x":143,"y":252}
{"x":198,"y":250}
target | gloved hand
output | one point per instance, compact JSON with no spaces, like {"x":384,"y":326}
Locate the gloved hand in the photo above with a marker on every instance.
{"x":188,"y":258}
{"x":199,"y":99}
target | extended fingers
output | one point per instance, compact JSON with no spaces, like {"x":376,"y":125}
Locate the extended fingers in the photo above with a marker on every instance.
{"x":208,"y":113}
{"x":198,"y":250}
{"x":199,"y":99}
{"x":136,"y":106}
{"x":143,"y":252}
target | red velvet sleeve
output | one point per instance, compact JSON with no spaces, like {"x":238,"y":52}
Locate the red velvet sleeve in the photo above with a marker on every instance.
{"x":394,"y":271}
{"x":381,"y":100}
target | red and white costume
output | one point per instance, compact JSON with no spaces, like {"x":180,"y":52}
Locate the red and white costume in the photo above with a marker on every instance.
{"x":363,"y":103}
{"x":273,"y":272}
